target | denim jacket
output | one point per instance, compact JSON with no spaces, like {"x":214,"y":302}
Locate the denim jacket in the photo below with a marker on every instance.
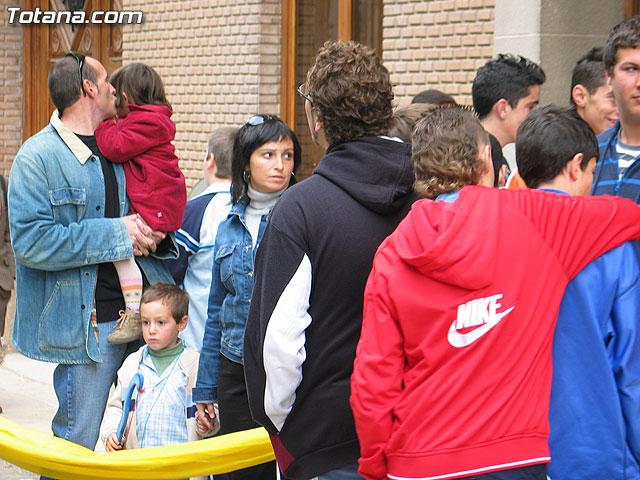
{"x":60,"y":235}
{"x":229,"y":299}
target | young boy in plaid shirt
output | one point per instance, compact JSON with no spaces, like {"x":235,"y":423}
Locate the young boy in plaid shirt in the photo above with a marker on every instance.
{"x":165,"y":412}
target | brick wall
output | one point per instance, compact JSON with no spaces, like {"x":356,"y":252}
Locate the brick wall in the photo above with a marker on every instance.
{"x":10,"y":87}
{"x":436,"y":44}
{"x":220,"y":62}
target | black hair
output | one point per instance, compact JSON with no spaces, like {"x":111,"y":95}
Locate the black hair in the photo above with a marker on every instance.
{"x":65,"y":85}
{"x":624,"y":35}
{"x":588,"y":72}
{"x":506,"y":76}
{"x":548,"y":139}
{"x":252,"y":136}
{"x":435,"y":97}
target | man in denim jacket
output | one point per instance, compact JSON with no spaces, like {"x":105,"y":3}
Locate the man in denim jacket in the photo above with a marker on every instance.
{"x":68,"y":215}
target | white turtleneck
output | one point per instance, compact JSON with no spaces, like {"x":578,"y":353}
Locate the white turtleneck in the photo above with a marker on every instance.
{"x":259,"y":204}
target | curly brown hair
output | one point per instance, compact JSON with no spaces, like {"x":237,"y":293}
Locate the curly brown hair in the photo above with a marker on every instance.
{"x":446,"y":151}
{"x":351,"y":91}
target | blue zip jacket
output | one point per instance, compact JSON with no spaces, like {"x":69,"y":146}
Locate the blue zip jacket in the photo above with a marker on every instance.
{"x":594,"y":413}
{"x":229,"y":299}
{"x":605,"y":179}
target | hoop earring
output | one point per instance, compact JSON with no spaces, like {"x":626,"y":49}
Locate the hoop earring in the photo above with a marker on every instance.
{"x":246,"y":176}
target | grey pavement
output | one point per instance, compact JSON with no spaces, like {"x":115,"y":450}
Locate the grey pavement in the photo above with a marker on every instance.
{"x":26,"y":397}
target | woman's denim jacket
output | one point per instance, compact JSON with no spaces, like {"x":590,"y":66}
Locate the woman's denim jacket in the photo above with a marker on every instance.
{"x":229,"y":299}
{"x":60,"y":235}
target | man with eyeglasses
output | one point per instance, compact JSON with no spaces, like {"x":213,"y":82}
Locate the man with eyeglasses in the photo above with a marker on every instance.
{"x":313,"y":262}
{"x":69,"y":219}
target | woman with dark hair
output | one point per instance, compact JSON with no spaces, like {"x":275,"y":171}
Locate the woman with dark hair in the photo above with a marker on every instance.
{"x":266,"y":154}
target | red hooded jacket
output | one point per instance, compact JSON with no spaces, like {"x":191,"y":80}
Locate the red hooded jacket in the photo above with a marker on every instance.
{"x":453,"y":369}
{"x":155,"y":183}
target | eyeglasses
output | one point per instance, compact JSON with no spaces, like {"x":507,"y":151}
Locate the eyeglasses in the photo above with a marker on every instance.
{"x":256,"y":120}
{"x":80,"y":59}
{"x":302,"y":93}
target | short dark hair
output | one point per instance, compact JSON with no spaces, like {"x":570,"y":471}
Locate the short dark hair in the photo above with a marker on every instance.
{"x":446,"y":150}
{"x":251,"y":137}
{"x":405,"y":118}
{"x":351,"y":91}
{"x":588,"y":72}
{"x":64,"y":81}
{"x":170,"y":295}
{"x":141,"y":83}
{"x":506,"y":76}
{"x":624,"y":35}
{"x":221,"y":145}
{"x":548,"y":139}
{"x":435,"y":97}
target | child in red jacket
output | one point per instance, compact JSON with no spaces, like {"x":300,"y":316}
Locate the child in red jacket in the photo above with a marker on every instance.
{"x":141,"y":140}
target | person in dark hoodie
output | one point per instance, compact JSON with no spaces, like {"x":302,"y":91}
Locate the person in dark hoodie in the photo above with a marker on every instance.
{"x":452,"y":374}
{"x":313,"y":262}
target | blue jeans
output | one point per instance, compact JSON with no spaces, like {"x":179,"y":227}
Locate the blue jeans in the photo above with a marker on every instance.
{"x":82,"y":391}
{"x":350,"y":472}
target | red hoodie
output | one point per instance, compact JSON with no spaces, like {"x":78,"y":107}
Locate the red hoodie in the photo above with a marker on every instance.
{"x":453,"y":369}
{"x":155,"y":183}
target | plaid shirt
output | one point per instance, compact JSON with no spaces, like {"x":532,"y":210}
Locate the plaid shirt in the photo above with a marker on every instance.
{"x":161,"y":409}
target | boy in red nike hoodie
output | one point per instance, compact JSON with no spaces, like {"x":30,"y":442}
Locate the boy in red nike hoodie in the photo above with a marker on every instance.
{"x":453,"y":369}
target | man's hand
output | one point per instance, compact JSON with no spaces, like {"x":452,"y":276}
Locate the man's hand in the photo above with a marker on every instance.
{"x":143,"y":239}
{"x":205,"y":416}
{"x":158,"y":237}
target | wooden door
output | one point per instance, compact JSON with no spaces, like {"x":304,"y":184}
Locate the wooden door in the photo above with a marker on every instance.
{"x":306,"y":25}
{"x":631,"y":8}
{"x":45,"y":43}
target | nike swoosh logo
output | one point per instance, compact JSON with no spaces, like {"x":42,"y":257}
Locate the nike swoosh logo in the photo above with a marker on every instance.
{"x":459,"y":340}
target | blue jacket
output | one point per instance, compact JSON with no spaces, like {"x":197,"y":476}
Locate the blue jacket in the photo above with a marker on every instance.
{"x":196,"y":241}
{"x":60,"y":235}
{"x":605,"y":179}
{"x":594,"y":413}
{"x":229,"y":300}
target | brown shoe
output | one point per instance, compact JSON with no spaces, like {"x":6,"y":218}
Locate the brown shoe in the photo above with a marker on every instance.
{"x":128,"y":328}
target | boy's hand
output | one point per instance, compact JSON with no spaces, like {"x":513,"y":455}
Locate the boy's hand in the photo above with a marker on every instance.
{"x":112,"y":443}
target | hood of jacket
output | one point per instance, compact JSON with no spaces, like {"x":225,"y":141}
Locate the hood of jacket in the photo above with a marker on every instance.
{"x":163,"y":109}
{"x":375,"y":171}
{"x":449,"y":243}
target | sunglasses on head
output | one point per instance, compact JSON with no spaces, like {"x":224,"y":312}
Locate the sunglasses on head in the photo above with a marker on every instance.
{"x":256,"y":120}
{"x":80,"y":59}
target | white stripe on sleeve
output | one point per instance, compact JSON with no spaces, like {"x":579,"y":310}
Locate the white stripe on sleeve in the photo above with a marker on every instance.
{"x":284,"y":345}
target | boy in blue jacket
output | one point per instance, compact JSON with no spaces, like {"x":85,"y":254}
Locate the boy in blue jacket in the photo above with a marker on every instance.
{"x":594,"y":413}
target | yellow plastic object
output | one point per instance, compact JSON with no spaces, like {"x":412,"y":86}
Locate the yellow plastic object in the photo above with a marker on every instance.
{"x":53,"y":457}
